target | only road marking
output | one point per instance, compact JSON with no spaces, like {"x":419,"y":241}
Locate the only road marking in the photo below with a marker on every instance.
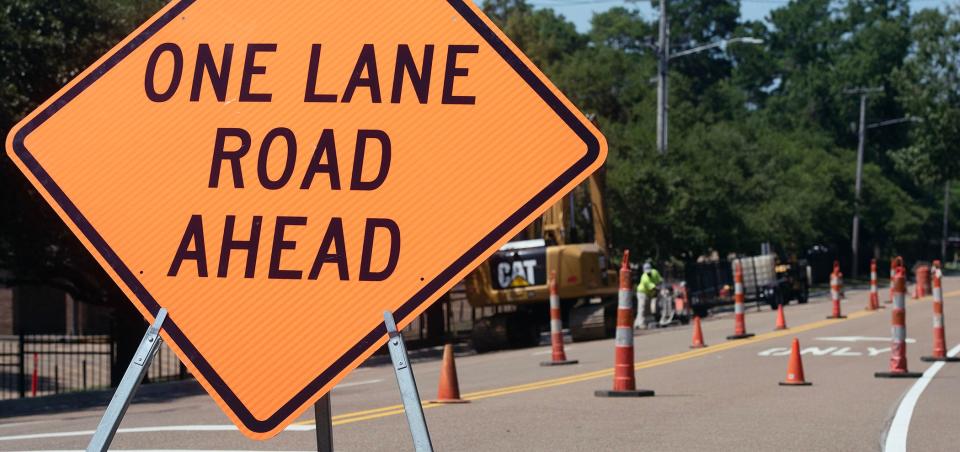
{"x":832,"y":351}
{"x":859,"y":339}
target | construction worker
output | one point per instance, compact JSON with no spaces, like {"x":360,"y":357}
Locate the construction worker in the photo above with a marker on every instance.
{"x":647,"y":293}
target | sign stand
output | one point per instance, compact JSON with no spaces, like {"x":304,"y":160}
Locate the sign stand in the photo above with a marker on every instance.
{"x":151,"y":343}
{"x":324,"y":422}
{"x":408,"y":393}
{"x":408,"y":386}
{"x":128,"y":385}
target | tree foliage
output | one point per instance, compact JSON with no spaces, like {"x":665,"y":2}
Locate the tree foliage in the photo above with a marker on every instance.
{"x":762,"y":138}
{"x":43,"y":44}
{"x":929,"y":87}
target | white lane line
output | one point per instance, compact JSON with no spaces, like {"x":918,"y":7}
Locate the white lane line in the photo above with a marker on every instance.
{"x":356,"y":383}
{"x":549,"y":351}
{"x":164,"y":428}
{"x":897,"y":435}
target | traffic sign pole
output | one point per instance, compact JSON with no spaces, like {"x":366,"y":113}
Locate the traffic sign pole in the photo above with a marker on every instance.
{"x":408,"y":386}
{"x":324,"y":422}
{"x":128,"y":385}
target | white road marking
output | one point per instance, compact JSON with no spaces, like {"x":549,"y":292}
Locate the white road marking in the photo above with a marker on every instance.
{"x":164,"y":428}
{"x":356,"y":383}
{"x":829,"y":351}
{"x":845,"y":351}
{"x":775,"y":351}
{"x":547,"y":352}
{"x":859,"y":339}
{"x":816,"y":351}
{"x":897,"y":435}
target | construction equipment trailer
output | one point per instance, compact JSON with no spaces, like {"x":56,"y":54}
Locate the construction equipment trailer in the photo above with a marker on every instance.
{"x":766,"y":280}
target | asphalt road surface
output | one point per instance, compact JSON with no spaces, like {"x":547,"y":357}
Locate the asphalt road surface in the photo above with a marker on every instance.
{"x":723,"y":397}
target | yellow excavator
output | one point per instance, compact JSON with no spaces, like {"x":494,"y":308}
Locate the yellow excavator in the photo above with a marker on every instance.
{"x":572,"y":238}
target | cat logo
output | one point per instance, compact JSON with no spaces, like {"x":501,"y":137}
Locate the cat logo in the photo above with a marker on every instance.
{"x":517,"y":273}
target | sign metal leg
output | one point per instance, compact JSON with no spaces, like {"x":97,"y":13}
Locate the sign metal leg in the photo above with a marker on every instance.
{"x":408,"y":386}
{"x":128,"y":385}
{"x":324,"y":418}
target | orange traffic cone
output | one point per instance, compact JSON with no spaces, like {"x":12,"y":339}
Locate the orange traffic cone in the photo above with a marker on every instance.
{"x":795,"y":368}
{"x":449,"y":390}
{"x":781,"y":321}
{"x":697,"y":334}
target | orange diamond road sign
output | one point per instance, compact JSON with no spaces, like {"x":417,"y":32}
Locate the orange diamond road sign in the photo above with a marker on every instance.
{"x":278,"y":177}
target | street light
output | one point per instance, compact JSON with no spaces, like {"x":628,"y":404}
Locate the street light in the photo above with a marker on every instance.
{"x":664,"y":56}
{"x":862,"y":136}
{"x":722,"y":44}
{"x":861,"y":142}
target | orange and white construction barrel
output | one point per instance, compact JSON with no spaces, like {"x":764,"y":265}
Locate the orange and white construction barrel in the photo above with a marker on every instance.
{"x":939,"y":335}
{"x":836,"y":289}
{"x":558,"y":355}
{"x":739,"y":308}
{"x":898,"y":318}
{"x":874,"y":302}
{"x":624,"y":381}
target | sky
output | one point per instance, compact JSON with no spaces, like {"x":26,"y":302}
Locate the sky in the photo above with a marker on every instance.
{"x":580,"y":11}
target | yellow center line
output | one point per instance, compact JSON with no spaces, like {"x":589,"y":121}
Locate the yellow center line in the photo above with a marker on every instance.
{"x":393,"y":410}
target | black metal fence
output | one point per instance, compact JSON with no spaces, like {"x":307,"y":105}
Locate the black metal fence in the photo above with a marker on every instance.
{"x":166,"y":366}
{"x":456,"y":321}
{"x":36,"y":365}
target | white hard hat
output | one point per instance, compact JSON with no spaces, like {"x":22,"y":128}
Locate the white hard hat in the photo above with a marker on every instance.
{"x":647,"y":267}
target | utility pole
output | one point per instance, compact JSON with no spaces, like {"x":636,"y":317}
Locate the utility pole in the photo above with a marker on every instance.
{"x":862,"y":137}
{"x":946,"y":219}
{"x":663,"y":58}
{"x":862,"y":132}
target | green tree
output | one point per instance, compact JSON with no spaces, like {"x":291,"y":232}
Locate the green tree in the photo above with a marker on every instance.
{"x":544,"y":36}
{"x":43,"y":44}
{"x":929,"y":85}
